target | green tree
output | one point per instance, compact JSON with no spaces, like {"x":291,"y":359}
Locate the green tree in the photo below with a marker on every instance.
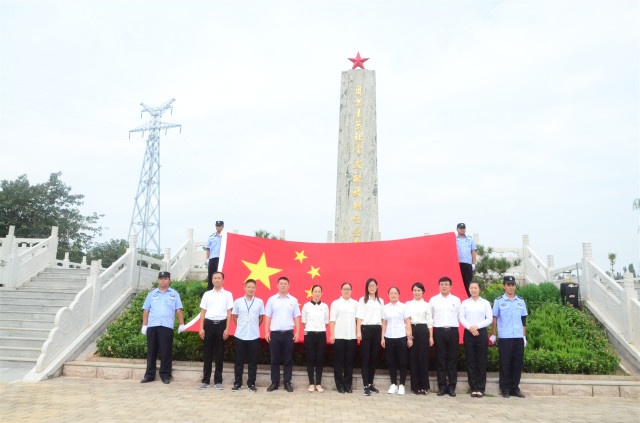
{"x":489,"y":267}
{"x":108,"y":252}
{"x":632,"y":269}
{"x":612,"y":262}
{"x":34,"y":209}
{"x":261,"y":233}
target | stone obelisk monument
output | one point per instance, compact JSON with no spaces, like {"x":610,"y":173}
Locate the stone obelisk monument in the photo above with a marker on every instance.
{"x":357,"y":187}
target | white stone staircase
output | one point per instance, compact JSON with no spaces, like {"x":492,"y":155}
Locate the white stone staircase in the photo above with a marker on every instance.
{"x":27,"y":313}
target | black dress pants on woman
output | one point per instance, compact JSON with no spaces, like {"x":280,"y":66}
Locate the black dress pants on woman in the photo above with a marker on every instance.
{"x":475,"y":351}
{"x":315,"y":344}
{"x":419,"y":358}
{"x":396,"y":352}
{"x":370,"y":347}
{"x":344,"y":353}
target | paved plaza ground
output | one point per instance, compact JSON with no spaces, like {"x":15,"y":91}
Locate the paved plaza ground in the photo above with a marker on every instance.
{"x":67,"y":399}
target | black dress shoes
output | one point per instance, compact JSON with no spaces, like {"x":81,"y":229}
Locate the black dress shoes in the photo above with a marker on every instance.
{"x":166,"y":381}
{"x":517,"y":393}
{"x":505,"y":394}
{"x":272,"y":387}
{"x":146,"y":380}
{"x":452,"y":391}
{"x":340,"y":389}
{"x":288,"y":387}
{"x":441,"y":392}
{"x":348,"y":390}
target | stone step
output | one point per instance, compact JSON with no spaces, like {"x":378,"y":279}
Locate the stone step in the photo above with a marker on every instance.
{"x":21,"y":342}
{"x":41,"y":308}
{"x":53,"y":286}
{"x":27,"y":315}
{"x":531,"y":384}
{"x":58,"y":279}
{"x":21,"y":293}
{"x":28,"y":332}
{"x":61,"y":271}
{"x":21,"y":359}
{"x":17,"y":324}
{"x":7,"y":351}
{"x":49,"y":290}
{"x":27,"y":303}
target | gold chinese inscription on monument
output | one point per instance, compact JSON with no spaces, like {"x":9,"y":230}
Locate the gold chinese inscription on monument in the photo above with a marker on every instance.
{"x":357,"y":165}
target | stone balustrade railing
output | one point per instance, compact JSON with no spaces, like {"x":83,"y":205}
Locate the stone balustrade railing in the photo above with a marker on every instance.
{"x":18,"y":265}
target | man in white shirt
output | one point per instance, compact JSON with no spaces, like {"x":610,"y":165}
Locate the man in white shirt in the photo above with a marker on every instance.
{"x":215,"y":320}
{"x":282,"y":313}
{"x":445,"y":308}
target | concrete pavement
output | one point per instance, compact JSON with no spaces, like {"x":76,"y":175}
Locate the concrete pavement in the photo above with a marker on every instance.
{"x":68,"y":399}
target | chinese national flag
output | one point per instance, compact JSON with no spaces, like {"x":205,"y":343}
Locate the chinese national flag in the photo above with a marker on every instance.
{"x":398,"y":263}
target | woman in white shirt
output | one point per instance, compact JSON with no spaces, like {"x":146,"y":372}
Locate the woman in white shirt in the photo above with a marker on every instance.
{"x":422,"y":331}
{"x":396,"y":337}
{"x":315,"y":317}
{"x":342,"y":325}
{"x":369,"y":330}
{"x":475,"y":316}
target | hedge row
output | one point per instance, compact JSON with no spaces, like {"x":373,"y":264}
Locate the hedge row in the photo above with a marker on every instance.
{"x":560,"y":339}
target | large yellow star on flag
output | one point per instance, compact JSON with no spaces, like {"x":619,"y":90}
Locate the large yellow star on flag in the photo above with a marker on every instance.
{"x":260,"y":271}
{"x":308,"y":291}
{"x":315,"y":271}
{"x":300,"y":256}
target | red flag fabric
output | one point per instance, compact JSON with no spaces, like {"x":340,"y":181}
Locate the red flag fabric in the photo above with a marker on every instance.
{"x":398,"y":263}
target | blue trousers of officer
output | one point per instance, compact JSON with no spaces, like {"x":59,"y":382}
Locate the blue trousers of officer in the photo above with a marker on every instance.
{"x":511,"y":361}
{"x":281,"y":348}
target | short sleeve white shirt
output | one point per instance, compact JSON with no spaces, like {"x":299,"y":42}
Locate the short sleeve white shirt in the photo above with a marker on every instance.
{"x":395,"y":315}
{"x":371,"y":312}
{"x":343,"y":313}
{"x":420,"y":312}
{"x":216,"y":303}
{"x":315,"y":317}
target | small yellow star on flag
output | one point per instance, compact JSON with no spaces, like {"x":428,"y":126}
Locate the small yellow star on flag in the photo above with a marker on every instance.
{"x":315,"y":271}
{"x":300,"y":256}
{"x":260,"y":271}
{"x":308,"y":291}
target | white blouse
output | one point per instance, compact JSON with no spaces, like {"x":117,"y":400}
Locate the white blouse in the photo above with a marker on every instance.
{"x":420,"y":312}
{"x":476,"y":313}
{"x":395,"y":314}
{"x":343,"y":313}
{"x":371,"y":312}
{"x":315,"y":317}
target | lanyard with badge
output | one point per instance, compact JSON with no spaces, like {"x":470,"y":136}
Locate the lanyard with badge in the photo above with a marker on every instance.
{"x":248,"y":307}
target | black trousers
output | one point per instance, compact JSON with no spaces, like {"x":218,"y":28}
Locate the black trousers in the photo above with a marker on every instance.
{"x":446,"y":342}
{"x":213,"y":346}
{"x":370,"y":348}
{"x":212,"y":268}
{"x":344,"y":351}
{"x":467,"y":274}
{"x":159,"y":339}
{"x":419,"y":358}
{"x":511,"y":362}
{"x":315,"y":343}
{"x":396,"y":353}
{"x":281,"y":348}
{"x":248,"y":349}
{"x":475,"y":351}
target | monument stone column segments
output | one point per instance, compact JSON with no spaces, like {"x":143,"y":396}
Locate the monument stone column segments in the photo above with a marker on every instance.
{"x":357,"y":185}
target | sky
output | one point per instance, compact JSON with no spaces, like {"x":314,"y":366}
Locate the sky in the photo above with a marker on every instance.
{"x":515,"y":117}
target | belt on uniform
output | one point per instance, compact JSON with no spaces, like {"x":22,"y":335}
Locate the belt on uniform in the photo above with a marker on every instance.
{"x":446,"y":328}
{"x":217,"y":322}
{"x":419,"y":324}
{"x":310,"y":332}
{"x":282,"y":332}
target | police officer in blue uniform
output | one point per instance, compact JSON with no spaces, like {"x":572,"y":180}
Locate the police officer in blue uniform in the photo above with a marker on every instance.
{"x":160,"y":308}
{"x":212,"y":251}
{"x":509,"y":318}
{"x":466,"y":255}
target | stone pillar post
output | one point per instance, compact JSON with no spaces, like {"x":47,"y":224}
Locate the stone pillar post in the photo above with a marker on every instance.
{"x":329,"y":237}
{"x":525,"y":257}
{"x":167,"y":257}
{"x":476,"y":238}
{"x":357,"y":179}
{"x":94,"y":280}
{"x":190,"y":251}
{"x":134,"y":275}
{"x":587,"y":274}
{"x":629,"y":294}
{"x":65,"y":261}
{"x":53,"y":246}
{"x":11,"y":266}
{"x":282,"y":234}
{"x":550,"y":266}
{"x":8,"y":242}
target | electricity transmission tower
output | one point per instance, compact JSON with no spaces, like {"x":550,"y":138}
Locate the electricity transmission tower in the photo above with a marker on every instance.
{"x":145,"y":220}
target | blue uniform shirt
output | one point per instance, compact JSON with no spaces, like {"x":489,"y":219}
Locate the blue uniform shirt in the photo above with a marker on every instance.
{"x":509,"y":315}
{"x":213,"y":245}
{"x":465,"y":247}
{"x":162,"y":307}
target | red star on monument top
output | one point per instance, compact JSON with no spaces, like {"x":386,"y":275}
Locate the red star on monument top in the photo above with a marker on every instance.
{"x":358,"y":61}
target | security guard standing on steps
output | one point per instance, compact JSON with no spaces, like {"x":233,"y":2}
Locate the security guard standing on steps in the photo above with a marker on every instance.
{"x":509,"y":318}
{"x":160,"y":308}
{"x":212,"y":252}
